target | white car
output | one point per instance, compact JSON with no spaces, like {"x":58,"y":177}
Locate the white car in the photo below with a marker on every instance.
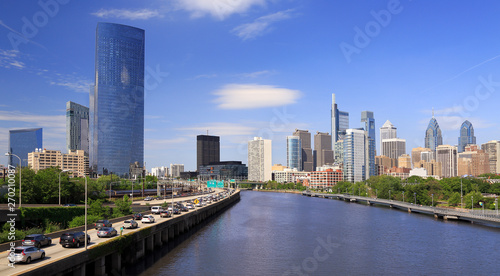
{"x":156,"y":210}
{"x":148,"y":219}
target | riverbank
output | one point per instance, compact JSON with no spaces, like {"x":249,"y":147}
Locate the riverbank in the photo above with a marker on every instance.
{"x":279,"y":191}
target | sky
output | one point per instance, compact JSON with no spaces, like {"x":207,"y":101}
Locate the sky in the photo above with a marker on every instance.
{"x":245,"y":68}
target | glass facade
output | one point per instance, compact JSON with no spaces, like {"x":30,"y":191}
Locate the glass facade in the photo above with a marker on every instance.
{"x":368,"y":124}
{"x":77,"y":127}
{"x":466,"y":136}
{"x":433,"y":136}
{"x":22,"y":142}
{"x":117,"y":100}
{"x":294,"y":152}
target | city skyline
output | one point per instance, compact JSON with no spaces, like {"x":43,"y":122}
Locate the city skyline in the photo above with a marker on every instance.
{"x":271,"y":68}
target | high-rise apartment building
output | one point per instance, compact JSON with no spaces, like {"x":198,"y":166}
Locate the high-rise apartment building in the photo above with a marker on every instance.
{"x":466,"y":136}
{"x":22,"y":142}
{"x":447,"y":156}
{"x":176,"y":170}
{"x":433,"y":136}
{"x":473,"y":161}
{"x":117,"y":100}
{"x":368,"y":124}
{"x":416,"y":154}
{"x":207,"y":150}
{"x":433,"y":168}
{"x":323,"y":153}
{"x":160,"y":172}
{"x":307,"y":154}
{"x":355,"y":155}
{"x":77,"y":127}
{"x":394,"y":147}
{"x":260,"y":159}
{"x":340,"y":123}
{"x":387,"y":131}
{"x":294,"y":152}
{"x":76,"y":161}
{"x":492,"y":148}
{"x":404,"y":161}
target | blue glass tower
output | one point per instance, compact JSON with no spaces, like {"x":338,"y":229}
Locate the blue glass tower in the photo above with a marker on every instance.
{"x":117,"y":100}
{"x":433,"y":136}
{"x":22,"y":142}
{"x":466,"y":136}
{"x":368,"y":124}
{"x":294,"y":152}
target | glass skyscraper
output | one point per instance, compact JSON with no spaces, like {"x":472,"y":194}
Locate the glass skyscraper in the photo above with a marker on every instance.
{"x":340,"y":123}
{"x":77,"y":127}
{"x":466,"y":136}
{"x":433,"y":136}
{"x":294,"y":152}
{"x":117,"y":100}
{"x":22,"y":142}
{"x":368,"y":124}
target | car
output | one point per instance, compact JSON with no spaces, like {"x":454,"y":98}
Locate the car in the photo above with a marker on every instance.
{"x":102,"y":223}
{"x":69,"y":205}
{"x":148,"y":219}
{"x":73,"y":239}
{"x":156,"y":210}
{"x":177,"y":211}
{"x":25,"y":254}
{"x":137,"y":216}
{"x":190,"y":206}
{"x":37,"y":240}
{"x":130,"y":224}
{"x":165,"y":214}
{"x":107,"y":232}
{"x":148,"y":198}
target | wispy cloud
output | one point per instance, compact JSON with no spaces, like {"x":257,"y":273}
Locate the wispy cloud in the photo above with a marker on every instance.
{"x":204,"y":76}
{"x":158,"y":144}
{"x":451,"y":118}
{"x":54,"y":121}
{"x":261,"y":25}
{"x":70,"y":81}
{"x":257,"y":74}
{"x":222,"y":129}
{"x":248,"y":96}
{"x":142,"y":14}
{"x":10,"y":59}
{"x":219,"y":9}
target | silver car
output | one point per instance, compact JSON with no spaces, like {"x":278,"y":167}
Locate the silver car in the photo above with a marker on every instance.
{"x":25,"y":254}
{"x":129,"y":224}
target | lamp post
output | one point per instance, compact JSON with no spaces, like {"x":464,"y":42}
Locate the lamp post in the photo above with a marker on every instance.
{"x":415,"y":195}
{"x":496,"y":204}
{"x":472,"y":203}
{"x":389,"y":194}
{"x":403,"y":196}
{"x":432,"y":200}
{"x":20,"y":174}
{"x":60,"y":185}
{"x":111,"y":181}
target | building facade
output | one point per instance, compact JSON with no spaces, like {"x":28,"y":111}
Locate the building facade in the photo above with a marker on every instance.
{"x":75,"y":162}
{"x":323,"y":153}
{"x":307,"y":153}
{"x":433,"y":136}
{"x":77,"y":127}
{"x":404,"y":161}
{"x":492,"y":148}
{"x":355,"y":155}
{"x":160,"y":172}
{"x":447,"y":156}
{"x":117,"y":100}
{"x":387,"y":131}
{"x":294,"y":153}
{"x":22,"y":142}
{"x":340,"y":123}
{"x":416,"y":154}
{"x":394,"y":147}
{"x":368,"y":124}
{"x":290,"y":175}
{"x":466,"y":136}
{"x":225,"y":170}
{"x":207,"y":150}
{"x":176,"y":170}
{"x":325,"y":179}
{"x":260,"y":159}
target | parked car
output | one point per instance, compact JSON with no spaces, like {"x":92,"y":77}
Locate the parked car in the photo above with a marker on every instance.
{"x":129,"y":224}
{"x":69,"y":205}
{"x":137,"y":216}
{"x":107,"y":232}
{"x":73,"y":239}
{"x":156,"y":210}
{"x":148,"y":219}
{"x":25,"y":254}
{"x":37,"y":240}
{"x":165,"y":214}
{"x":102,"y":223}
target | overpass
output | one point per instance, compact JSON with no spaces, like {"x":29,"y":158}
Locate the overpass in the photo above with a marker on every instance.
{"x":488,"y":218}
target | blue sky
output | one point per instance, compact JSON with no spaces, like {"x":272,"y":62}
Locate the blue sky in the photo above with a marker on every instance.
{"x":245,"y":68}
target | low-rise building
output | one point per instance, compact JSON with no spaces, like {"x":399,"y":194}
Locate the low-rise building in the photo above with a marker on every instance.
{"x":75,"y":160}
{"x":290,"y":175}
{"x":325,"y":179}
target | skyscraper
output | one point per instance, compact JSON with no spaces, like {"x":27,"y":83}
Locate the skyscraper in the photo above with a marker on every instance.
{"x":433,"y":137}
{"x":77,"y":127}
{"x":207,"y":150}
{"x":492,"y":148}
{"x":387,"y":131}
{"x":294,"y":152}
{"x":259,"y":159}
{"x":447,"y":156}
{"x":368,"y":124}
{"x":323,"y":153}
{"x":117,"y":100}
{"x":394,"y":147}
{"x":340,"y":123}
{"x":466,"y":136}
{"x":355,"y":157}
{"x":416,"y":154}
{"x":22,"y":142}
{"x":307,"y":154}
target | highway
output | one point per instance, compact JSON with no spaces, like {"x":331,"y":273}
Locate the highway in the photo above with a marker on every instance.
{"x":56,"y":251}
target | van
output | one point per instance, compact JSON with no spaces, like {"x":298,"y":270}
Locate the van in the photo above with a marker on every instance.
{"x":156,"y":209}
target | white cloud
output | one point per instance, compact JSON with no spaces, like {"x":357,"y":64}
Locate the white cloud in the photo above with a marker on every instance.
{"x":257,"y":74}
{"x":221,"y":129}
{"x":142,"y":14}
{"x":53,"y":121}
{"x":248,"y":96}
{"x":261,"y":25}
{"x":219,"y":9}
{"x":10,"y":58}
{"x":204,"y":76}
{"x":71,"y":81}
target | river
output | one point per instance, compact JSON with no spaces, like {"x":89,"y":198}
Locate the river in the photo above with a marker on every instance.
{"x":290,"y":234}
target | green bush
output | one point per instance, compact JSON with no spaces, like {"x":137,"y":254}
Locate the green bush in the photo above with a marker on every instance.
{"x":58,"y":215}
{"x":80,"y":220}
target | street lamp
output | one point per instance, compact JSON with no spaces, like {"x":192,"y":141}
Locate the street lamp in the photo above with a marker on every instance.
{"x":60,"y":185}
{"x":389,"y":194}
{"x":496,"y":204}
{"x":415,"y":195}
{"x":20,"y":174}
{"x":432,"y":200}
{"x":472,"y":203}
{"x":376,"y":193}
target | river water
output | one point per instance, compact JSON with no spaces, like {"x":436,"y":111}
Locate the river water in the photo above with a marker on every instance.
{"x":290,"y":234}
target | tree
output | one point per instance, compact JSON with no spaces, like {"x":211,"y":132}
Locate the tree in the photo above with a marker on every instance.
{"x":123,"y":206}
{"x":454,"y":199}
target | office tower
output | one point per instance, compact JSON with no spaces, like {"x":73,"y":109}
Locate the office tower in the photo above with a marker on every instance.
{"x":259,"y":160}
{"x":385,"y":162}
{"x":416,"y":154}
{"x":492,"y":148}
{"x":466,"y":136}
{"x":433,"y":137}
{"x":404,"y":161}
{"x":323,"y":153}
{"x":355,"y":155}
{"x":394,"y":147}
{"x":387,"y":131}
{"x":338,"y":153}
{"x":340,"y":123}
{"x":307,"y":155}
{"x":368,"y":124}
{"x":22,"y":142}
{"x":117,"y":100}
{"x":473,"y":161}
{"x":207,"y":150}
{"x":77,"y":127}
{"x":294,"y":152}
{"x":176,"y":170}
{"x":447,"y":156}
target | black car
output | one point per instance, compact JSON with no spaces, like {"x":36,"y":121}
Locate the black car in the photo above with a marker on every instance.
{"x":37,"y":240}
{"x":137,"y":216}
{"x":102,"y":223}
{"x":73,"y":239}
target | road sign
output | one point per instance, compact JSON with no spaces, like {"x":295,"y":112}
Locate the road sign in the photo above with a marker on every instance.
{"x":196,"y":201}
{"x":220,"y":184}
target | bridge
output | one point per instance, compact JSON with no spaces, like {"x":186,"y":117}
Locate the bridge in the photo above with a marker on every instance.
{"x":488,"y":218}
